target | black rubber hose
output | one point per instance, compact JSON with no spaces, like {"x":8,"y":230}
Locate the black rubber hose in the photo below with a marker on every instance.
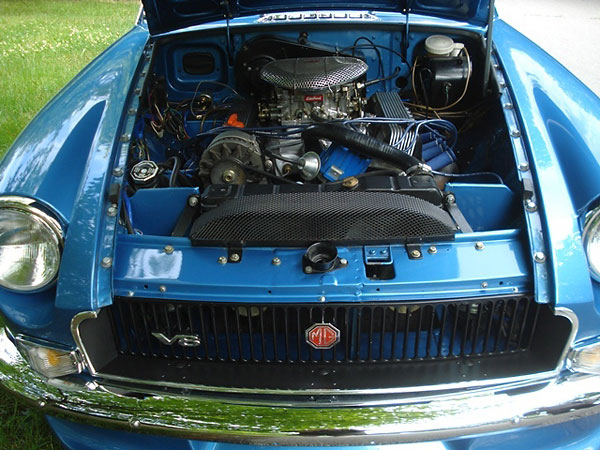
{"x":360,"y":143}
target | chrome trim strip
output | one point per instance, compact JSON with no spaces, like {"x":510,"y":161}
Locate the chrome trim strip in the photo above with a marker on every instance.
{"x":462,"y":386}
{"x":75,"y":321}
{"x":567,"y":313}
{"x":459,"y":386}
{"x":412,"y":419}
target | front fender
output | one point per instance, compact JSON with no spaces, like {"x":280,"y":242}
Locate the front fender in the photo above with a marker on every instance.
{"x":62,"y":158}
{"x":560,"y":119}
{"x":49,"y":158}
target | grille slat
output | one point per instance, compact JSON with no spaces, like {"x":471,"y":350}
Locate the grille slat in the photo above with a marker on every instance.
{"x":370,"y":333}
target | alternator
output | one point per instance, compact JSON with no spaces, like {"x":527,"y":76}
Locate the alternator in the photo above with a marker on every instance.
{"x":230,"y":158}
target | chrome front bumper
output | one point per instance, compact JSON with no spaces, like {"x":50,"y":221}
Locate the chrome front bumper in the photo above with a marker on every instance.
{"x":411,"y":418}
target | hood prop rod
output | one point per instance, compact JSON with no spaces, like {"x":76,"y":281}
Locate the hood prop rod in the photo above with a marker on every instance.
{"x":230,"y":46}
{"x":489,"y":42}
{"x":406,"y":37}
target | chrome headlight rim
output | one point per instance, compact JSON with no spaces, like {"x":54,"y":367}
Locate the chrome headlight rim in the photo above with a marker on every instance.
{"x":43,"y":215}
{"x":592,"y":223}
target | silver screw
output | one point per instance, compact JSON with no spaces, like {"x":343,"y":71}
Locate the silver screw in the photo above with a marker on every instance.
{"x":162,"y":289}
{"x":484,"y":285}
{"x":222,"y":260}
{"x":479,"y":245}
{"x":322,"y":299}
{"x":308,"y":269}
{"x":41,"y":403}
{"x":344,"y":262}
{"x":111,"y":211}
{"x":530,"y":205}
{"x":124,"y":138}
{"x":450,"y":198}
{"x":432,"y":250}
{"x":169,"y":249}
{"x":508,"y":106}
{"x":132,"y":111}
{"x":134,"y":423}
{"x":118,"y":172}
{"x":276,"y":261}
{"x":130,"y":293}
{"x":234,"y":257}
{"x":539,"y":257}
{"x":193,"y":201}
{"x":515,"y":133}
{"x":415,"y":253}
{"x":372,"y":252}
{"x":524,"y":166}
{"x":106,"y":262}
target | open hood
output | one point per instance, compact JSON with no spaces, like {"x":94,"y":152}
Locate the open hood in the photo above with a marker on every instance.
{"x":168,"y":15}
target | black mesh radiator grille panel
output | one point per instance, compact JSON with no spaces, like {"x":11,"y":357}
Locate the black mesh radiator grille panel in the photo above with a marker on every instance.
{"x":301,"y":218}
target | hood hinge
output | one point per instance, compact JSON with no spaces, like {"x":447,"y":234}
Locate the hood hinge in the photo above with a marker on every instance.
{"x":230,"y":47}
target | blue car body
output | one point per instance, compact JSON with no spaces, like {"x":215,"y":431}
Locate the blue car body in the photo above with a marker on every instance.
{"x":66,"y":159}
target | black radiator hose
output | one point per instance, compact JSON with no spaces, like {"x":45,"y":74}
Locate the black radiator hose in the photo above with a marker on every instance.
{"x":361,"y":143}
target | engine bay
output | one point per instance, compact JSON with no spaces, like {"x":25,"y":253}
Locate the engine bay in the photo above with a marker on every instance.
{"x":291,"y":140}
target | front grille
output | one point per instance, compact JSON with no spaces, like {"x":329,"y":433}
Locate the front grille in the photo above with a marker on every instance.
{"x":374,"y":333}
{"x":383,"y":345}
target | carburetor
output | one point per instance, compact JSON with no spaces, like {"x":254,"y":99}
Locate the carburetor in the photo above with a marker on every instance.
{"x":313,"y":89}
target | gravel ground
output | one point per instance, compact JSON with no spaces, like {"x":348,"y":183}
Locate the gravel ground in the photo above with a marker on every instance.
{"x":567,"y":29}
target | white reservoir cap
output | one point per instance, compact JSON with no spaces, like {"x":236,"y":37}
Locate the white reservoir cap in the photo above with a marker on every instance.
{"x":439,"y":45}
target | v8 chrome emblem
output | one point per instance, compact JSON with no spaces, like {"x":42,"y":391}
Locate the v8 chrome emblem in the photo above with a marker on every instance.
{"x":185,"y":340}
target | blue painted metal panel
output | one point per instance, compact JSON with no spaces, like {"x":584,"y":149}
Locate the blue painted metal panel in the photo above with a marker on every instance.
{"x":576,"y":434}
{"x":457,"y":269}
{"x":168,"y":15}
{"x":79,"y":284}
{"x":381,"y":18}
{"x":486,"y":206}
{"x":561,"y":124}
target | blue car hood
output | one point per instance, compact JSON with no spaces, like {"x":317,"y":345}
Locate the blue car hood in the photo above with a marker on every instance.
{"x":164,"y":16}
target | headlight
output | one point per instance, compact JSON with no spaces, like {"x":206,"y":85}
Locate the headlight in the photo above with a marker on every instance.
{"x":591,"y":242}
{"x":30,"y":245}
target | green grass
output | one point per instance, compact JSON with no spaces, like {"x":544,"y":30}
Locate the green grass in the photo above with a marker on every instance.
{"x":23,"y":428}
{"x":43,"y":44}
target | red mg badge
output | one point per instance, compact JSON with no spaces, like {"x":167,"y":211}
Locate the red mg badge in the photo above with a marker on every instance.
{"x":322,"y":336}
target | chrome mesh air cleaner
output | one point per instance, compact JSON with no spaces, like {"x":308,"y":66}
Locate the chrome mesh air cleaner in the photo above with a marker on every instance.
{"x":313,"y":74}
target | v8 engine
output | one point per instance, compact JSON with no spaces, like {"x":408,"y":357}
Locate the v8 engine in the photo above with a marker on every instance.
{"x":307,"y":118}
